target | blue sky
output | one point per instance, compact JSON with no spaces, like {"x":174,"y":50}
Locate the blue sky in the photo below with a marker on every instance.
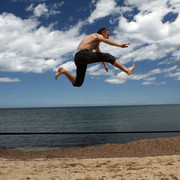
{"x":38,"y":36}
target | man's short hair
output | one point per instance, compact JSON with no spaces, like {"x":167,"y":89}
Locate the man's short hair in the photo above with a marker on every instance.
{"x":101,"y":30}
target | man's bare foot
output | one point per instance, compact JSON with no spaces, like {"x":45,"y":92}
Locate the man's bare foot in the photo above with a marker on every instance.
{"x":59,"y":72}
{"x":131,"y":69}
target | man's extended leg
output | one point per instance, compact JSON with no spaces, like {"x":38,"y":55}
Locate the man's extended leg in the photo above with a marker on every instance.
{"x":70,"y":76}
{"x":93,"y":57}
{"x":123,"y":68}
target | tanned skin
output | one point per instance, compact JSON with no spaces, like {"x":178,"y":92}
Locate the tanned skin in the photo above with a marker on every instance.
{"x":91,"y":42}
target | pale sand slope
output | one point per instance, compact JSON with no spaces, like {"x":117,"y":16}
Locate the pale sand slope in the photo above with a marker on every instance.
{"x":149,"y":168}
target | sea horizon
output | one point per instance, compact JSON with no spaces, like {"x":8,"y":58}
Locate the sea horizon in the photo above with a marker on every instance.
{"x":88,"y":105}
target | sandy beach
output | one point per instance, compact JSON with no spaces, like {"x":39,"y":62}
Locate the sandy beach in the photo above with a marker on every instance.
{"x":153,"y":159}
{"x":162,"y":168}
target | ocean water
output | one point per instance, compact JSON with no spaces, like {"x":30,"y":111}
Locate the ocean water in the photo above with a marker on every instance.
{"x":85,"y":119}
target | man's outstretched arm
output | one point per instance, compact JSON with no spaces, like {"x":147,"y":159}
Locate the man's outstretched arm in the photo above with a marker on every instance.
{"x":111,"y":42}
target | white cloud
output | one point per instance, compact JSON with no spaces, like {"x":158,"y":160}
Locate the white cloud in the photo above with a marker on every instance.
{"x":150,"y":38}
{"x":175,"y":73}
{"x":25,"y":47}
{"x":6,"y":79}
{"x":69,"y":66}
{"x":43,"y":10}
{"x":94,"y":69}
{"x":119,"y":79}
{"x":40,"y":10}
{"x":103,"y":8}
{"x":147,"y":78}
{"x":147,"y":83}
{"x":147,"y":26}
{"x":148,"y":6}
{"x":98,"y":70}
{"x":30,"y":7}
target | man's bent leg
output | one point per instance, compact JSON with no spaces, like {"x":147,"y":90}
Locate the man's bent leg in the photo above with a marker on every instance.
{"x":106,"y":57}
{"x":70,"y":76}
{"x":80,"y":75}
{"x":123,"y":68}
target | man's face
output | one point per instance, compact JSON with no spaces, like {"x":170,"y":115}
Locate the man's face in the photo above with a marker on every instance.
{"x":105,"y":34}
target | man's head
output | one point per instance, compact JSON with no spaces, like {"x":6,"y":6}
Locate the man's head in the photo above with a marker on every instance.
{"x":104,"y":32}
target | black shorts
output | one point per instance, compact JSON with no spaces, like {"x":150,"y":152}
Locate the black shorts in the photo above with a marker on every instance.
{"x":84,"y":57}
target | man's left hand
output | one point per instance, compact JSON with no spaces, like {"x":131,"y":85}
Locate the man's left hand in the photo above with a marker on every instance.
{"x":106,"y":68}
{"x":125,"y":45}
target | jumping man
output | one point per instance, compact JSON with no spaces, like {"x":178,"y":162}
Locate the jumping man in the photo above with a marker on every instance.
{"x":85,"y":56}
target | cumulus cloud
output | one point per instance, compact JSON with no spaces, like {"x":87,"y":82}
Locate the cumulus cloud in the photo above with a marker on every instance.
{"x":148,"y":26}
{"x":26,"y":47}
{"x":147,"y":79}
{"x":153,"y":38}
{"x":98,"y":70}
{"x":40,"y":10}
{"x":103,"y":8}
{"x":69,"y":66}
{"x":43,"y":10}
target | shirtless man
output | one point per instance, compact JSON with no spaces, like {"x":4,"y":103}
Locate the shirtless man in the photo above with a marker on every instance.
{"x":85,"y":56}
